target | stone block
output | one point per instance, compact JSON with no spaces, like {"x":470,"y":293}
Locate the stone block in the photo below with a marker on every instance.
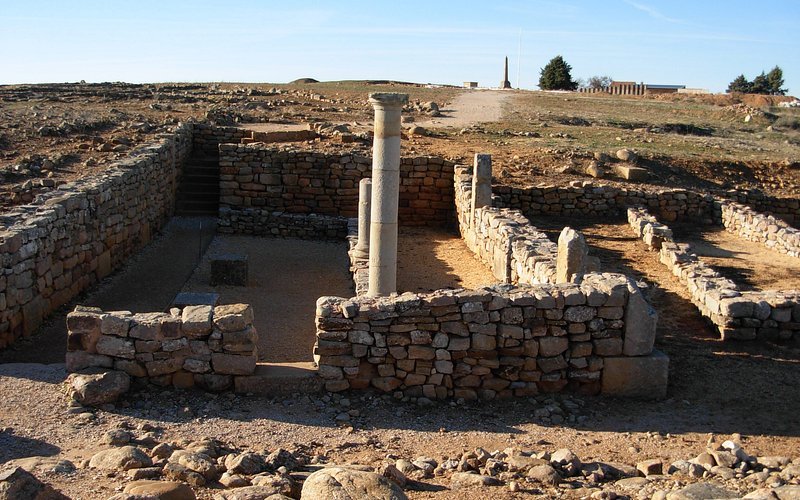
{"x":184,"y":299}
{"x":196,"y":320}
{"x":552,"y":346}
{"x":233,"y":364}
{"x":631,"y":173}
{"x":229,"y":269}
{"x":116,"y":347}
{"x":572,"y":254}
{"x":642,"y":377}
{"x":640,"y":324}
{"x":233,"y":317}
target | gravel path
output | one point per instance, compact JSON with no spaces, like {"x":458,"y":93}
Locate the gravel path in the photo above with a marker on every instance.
{"x":470,"y":108}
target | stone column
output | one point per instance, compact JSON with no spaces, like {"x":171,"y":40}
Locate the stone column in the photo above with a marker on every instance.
{"x":361,"y":250}
{"x":481,"y":184}
{"x":385,"y":193}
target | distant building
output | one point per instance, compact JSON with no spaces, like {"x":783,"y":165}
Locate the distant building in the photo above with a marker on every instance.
{"x":470,"y":85}
{"x":633,"y":88}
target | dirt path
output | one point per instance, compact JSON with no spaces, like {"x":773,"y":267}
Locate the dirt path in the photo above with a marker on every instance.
{"x":470,"y":108}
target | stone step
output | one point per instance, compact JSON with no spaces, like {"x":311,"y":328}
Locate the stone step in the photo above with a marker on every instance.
{"x":280,"y":379}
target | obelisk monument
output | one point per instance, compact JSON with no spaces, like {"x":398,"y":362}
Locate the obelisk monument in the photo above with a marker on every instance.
{"x":505,"y":84}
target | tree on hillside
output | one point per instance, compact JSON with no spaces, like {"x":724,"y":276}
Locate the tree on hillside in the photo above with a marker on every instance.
{"x":775,"y":81}
{"x":765,"y":83}
{"x":556,"y":75}
{"x":739,"y":84}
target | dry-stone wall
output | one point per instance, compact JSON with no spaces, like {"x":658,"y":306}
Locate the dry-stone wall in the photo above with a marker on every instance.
{"x":503,"y":239}
{"x":596,"y":200}
{"x":735,"y":314}
{"x":786,"y":209}
{"x":257,"y":182}
{"x":753,"y":226}
{"x":70,"y":238}
{"x":207,"y":138}
{"x":200,"y":346}
{"x":495,"y":342}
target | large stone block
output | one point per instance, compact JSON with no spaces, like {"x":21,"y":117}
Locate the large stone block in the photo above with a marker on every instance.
{"x":229,"y":269}
{"x":642,"y":377}
{"x":640,"y":324}
{"x":572,"y":255}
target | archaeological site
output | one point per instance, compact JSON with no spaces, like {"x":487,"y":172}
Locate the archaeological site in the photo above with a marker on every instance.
{"x":322,"y":291}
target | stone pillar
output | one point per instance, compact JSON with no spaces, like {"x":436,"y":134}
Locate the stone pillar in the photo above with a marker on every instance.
{"x":361,"y":250}
{"x":481,"y":184}
{"x":572,"y":256}
{"x":385,"y":193}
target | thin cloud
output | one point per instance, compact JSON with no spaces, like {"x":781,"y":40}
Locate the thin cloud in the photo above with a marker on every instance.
{"x":653,"y":12}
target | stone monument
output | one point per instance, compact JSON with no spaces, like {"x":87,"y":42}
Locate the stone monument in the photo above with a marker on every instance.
{"x":505,"y":84}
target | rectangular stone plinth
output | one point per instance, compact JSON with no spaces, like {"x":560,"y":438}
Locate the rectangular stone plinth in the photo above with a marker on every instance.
{"x":643,"y":377}
{"x":229,"y":269}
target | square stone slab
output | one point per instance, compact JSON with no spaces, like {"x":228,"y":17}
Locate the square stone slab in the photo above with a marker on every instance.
{"x":184,"y":299}
{"x":229,"y":269}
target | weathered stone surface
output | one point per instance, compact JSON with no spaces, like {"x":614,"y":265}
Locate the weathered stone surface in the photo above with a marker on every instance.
{"x":572,"y":254}
{"x":197,"y":321}
{"x":116,"y":347}
{"x":161,"y":490}
{"x":349,"y":484}
{"x":233,"y":364}
{"x":233,"y":317}
{"x":640,"y":324}
{"x":247,"y":463}
{"x":544,"y":474}
{"x":18,"y":484}
{"x":257,"y":492}
{"x":465,"y":480}
{"x":122,"y":458}
{"x":702,"y":491}
{"x":91,"y":389}
{"x":636,"y":376}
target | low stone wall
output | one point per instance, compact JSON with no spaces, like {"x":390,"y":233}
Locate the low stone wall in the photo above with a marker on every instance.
{"x":646,"y":227}
{"x":200,"y":346}
{"x":735,"y":314}
{"x":303,"y":182}
{"x":503,"y":239}
{"x":263,"y":222}
{"x":599,"y":200}
{"x":668,"y":205}
{"x":206,"y":138}
{"x":496,"y":342}
{"x":72,"y":237}
{"x":753,"y":226}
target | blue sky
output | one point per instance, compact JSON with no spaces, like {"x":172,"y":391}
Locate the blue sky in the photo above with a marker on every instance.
{"x":691,"y":42}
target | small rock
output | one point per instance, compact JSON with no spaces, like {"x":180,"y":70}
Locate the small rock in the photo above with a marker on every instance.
{"x":391,"y":472}
{"x":464,"y":480}
{"x":650,"y":467}
{"x":544,"y":474}
{"x":117,"y":437}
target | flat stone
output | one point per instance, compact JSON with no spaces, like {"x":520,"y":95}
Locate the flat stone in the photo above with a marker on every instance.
{"x":162,"y":490}
{"x":92,"y":389}
{"x":184,"y":299}
{"x":642,"y":377}
{"x":122,"y":458}
{"x":464,"y":480}
{"x":229,"y":269}
{"x":702,"y":491}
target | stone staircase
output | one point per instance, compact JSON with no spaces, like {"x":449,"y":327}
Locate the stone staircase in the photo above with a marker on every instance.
{"x":198,"y":190}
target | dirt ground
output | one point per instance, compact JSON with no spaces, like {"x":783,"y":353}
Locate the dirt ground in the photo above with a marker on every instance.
{"x":470,"y":108}
{"x":749,"y":264}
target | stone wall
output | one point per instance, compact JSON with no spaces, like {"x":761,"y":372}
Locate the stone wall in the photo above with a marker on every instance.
{"x":268,"y":179}
{"x":200,"y":346}
{"x":503,"y":239}
{"x":668,"y":205}
{"x":262,"y":222}
{"x":734,"y":313}
{"x":70,"y":238}
{"x":496,"y":342}
{"x":753,"y":226}
{"x":207,"y":138}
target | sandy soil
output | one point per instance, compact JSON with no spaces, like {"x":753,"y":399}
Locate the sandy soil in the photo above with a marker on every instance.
{"x":751,"y":265}
{"x":430,"y":259}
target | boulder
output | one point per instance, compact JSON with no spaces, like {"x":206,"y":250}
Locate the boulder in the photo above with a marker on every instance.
{"x":162,"y":490}
{"x":343,"y":483}
{"x":626,"y":154}
{"x":18,"y":484}
{"x":544,"y":474}
{"x":122,"y":458}
{"x":97,"y":388}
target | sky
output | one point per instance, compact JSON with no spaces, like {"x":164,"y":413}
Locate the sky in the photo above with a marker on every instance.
{"x":697,"y":43}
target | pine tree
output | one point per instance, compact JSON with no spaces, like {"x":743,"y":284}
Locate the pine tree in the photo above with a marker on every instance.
{"x":739,"y":84}
{"x":556,"y":76}
{"x":775,"y":81}
{"x":760,"y":84}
